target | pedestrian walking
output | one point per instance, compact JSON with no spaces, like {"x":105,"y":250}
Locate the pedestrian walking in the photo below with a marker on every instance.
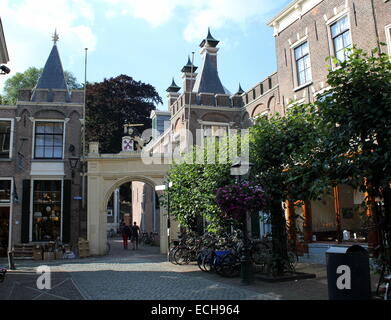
{"x":126,"y":234}
{"x":135,"y":235}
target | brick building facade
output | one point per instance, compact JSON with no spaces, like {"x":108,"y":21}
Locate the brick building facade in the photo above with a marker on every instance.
{"x":39,"y":160}
{"x":306,"y":32}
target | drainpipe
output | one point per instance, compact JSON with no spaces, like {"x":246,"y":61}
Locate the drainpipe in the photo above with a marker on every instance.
{"x":11,"y":264}
{"x":375,"y":24}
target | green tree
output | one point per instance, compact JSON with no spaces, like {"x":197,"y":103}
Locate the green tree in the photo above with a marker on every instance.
{"x":28,"y":80}
{"x":113,"y":102}
{"x":282,"y":150}
{"x":193,"y":192}
{"x":357,"y":112}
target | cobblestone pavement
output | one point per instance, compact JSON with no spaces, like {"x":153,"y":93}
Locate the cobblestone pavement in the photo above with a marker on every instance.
{"x":145,"y":274}
{"x":142,"y":274}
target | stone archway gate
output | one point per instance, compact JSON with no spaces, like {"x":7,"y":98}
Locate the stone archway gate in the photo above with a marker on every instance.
{"x":106,"y":172}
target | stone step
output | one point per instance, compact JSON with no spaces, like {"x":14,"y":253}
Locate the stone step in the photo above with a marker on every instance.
{"x":24,"y":251}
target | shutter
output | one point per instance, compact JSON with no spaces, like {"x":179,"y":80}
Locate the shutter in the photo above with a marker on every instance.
{"x":26,"y":211}
{"x":255,"y":227}
{"x":66,"y":213}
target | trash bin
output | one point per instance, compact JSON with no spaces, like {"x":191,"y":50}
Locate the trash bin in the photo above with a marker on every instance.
{"x":348,"y":273}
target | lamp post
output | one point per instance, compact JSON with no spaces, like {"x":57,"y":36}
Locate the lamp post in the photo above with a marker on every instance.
{"x":241,"y":168}
{"x":73,"y":161}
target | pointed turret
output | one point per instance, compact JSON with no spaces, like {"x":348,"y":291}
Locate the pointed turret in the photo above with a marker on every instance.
{"x":52,"y":77}
{"x":173,"y":87}
{"x":189,"y":67}
{"x":209,"y":41}
{"x":189,"y":75}
{"x":172,"y":93}
{"x":208,"y":80}
{"x":240,"y":90}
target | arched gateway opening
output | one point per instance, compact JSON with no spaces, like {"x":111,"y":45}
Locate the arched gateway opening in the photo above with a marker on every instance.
{"x":134,"y":201}
{"x":106,"y":174}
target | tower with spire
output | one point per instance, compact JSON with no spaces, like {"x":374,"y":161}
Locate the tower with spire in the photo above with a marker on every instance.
{"x":48,"y":130}
{"x":52,"y":85}
{"x":172,"y":92}
{"x":189,"y":76}
{"x":208,"y":80}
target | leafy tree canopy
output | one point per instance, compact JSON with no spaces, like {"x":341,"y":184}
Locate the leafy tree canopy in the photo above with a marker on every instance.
{"x":357,"y":111}
{"x":195,"y":181}
{"x":28,"y":80}
{"x":285,"y":152}
{"x":114,"y":102}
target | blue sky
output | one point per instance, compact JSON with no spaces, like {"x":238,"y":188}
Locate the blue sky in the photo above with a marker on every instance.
{"x":149,"y":40}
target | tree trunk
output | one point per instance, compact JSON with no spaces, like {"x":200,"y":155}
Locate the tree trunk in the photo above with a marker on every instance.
{"x":279,"y":237}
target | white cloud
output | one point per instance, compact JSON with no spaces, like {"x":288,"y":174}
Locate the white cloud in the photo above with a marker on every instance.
{"x":155,"y":12}
{"x":199,"y":14}
{"x":29,"y":24}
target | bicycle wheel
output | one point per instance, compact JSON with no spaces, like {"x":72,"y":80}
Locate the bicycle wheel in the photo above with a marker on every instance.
{"x":230,"y":266}
{"x":258,"y":253}
{"x":171,"y":255}
{"x":293,"y":258}
{"x":181,"y":256}
{"x":200,"y":257}
{"x":208,"y":262}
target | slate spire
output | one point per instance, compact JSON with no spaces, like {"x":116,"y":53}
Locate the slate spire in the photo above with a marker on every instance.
{"x":209,"y":41}
{"x":173,"y":87}
{"x":208,"y":80}
{"x":52,"y":76}
{"x":240,"y":90}
{"x":189,"y":67}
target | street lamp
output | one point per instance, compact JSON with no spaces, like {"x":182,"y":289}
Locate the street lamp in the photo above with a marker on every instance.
{"x":241,"y":167}
{"x":73,"y":161}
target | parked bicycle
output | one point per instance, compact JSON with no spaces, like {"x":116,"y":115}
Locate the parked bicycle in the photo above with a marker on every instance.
{"x":148,"y":238}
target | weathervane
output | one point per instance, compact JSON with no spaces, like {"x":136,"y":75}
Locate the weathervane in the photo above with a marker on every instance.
{"x":55,"y":36}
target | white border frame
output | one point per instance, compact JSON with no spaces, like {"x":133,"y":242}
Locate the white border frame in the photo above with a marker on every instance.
{"x":7,"y":204}
{"x":295,"y":73}
{"x":32,"y":203}
{"x":331,"y":21}
{"x":64,"y":121}
{"x":10,"y":154}
{"x":388,"y":38}
{"x":10,"y":205}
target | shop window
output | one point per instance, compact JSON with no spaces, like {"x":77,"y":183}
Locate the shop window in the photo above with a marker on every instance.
{"x":5,"y":191}
{"x":303,"y":64}
{"x":340,"y":35}
{"x":47,"y":203}
{"x":5,"y":139}
{"x":49,"y":140}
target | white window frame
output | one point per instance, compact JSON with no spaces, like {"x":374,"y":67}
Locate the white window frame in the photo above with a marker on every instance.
{"x":210,"y":123}
{"x":11,"y":136}
{"x":294,"y":46}
{"x":329,"y":23}
{"x":32,"y":204}
{"x":63,"y":139}
{"x":388,"y":38}
{"x":8,"y":204}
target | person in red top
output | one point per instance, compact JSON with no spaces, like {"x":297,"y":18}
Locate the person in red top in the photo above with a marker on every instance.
{"x":126,"y":233}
